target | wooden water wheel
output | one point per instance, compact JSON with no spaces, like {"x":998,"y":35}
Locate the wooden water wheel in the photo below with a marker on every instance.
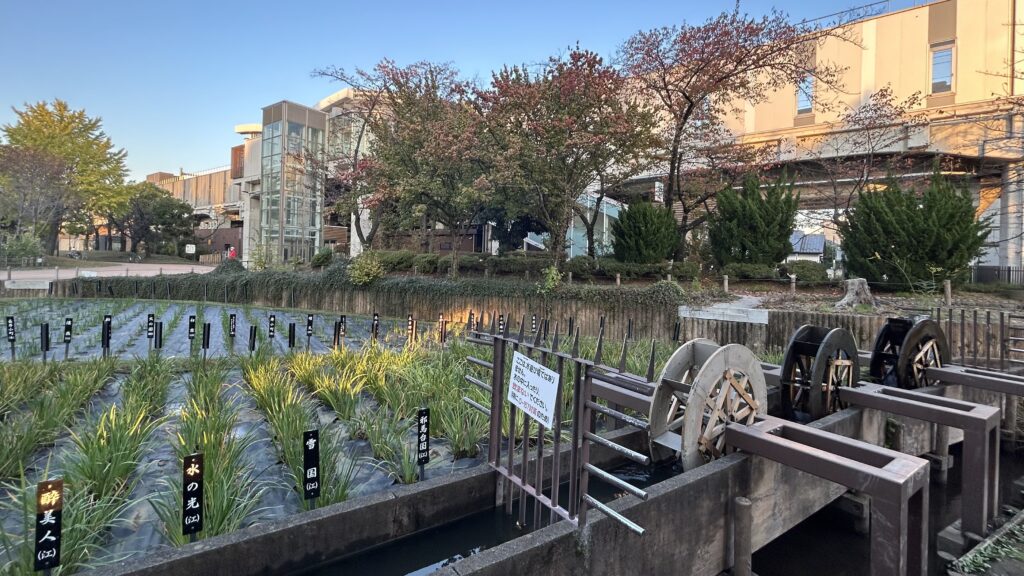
{"x":703,"y":388}
{"x":817,"y":362}
{"x":904,"y":349}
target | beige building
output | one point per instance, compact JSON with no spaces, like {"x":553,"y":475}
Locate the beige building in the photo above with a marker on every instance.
{"x":217,"y":204}
{"x":958,"y":58}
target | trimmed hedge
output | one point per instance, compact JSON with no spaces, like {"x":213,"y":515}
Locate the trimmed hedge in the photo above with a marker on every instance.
{"x":806,"y":271}
{"x":242,"y":287}
{"x":584,"y":268}
{"x":518,"y":263}
{"x":744,"y":271}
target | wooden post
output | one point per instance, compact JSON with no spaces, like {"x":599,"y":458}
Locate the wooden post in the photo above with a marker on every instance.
{"x":792,"y":284}
{"x":947,"y":286}
{"x":741,"y":537}
{"x":725,"y":283}
{"x":618,"y":278}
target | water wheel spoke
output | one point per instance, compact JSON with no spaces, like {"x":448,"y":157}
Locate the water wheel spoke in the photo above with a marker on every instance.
{"x":746,"y":413}
{"x":675,"y":424}
{"x":741,"y":389}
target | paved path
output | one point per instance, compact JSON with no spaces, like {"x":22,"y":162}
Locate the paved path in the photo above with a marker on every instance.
{"x":139,"y":269}
{"x":741,"y":302}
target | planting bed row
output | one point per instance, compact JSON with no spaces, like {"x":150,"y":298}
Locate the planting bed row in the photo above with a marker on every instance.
{"x":117,"y":429}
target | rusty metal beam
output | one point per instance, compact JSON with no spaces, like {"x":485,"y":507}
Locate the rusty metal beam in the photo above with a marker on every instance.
{"x":980,"y":423}
{"x":897,"y":484}
{"x":1000,"y":382}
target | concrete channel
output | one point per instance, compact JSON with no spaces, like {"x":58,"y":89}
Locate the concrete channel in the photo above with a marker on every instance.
{"x":687,"y":518}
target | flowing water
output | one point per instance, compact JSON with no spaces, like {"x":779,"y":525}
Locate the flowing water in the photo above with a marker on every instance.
{"x":824,"y":543}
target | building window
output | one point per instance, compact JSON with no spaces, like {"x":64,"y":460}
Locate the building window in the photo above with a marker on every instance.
{"x":942,"y":68}
{"x":805,"y":96}
{"x":291,"y":214}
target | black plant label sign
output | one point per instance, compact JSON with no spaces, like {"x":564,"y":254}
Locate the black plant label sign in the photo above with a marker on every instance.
{"x":191,"y":327}
{"x":11,"y":329}
{"x":150,"y":326}
{"x":291,"y":334}
{"x":423,"y":436}
{"x":273,"y":326}
{"x":206,"y":335}
{"x":311,"y":464}
{"x":344,"y":325}
{"x":49,"y":505}
{"x":232,"y":325}
{"x":108,"y":322}
{"x":309,"y":324}
{"x":252,"y":338}
{"x":192,"y":494}
{"x":44,"y":337}
{"x":69,"y":324}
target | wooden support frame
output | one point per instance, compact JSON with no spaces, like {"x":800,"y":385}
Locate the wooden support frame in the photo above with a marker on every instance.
{"x":897,"y":484}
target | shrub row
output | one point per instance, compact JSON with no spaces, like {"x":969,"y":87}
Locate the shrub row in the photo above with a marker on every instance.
{"x":805,"y":271}
{"x":582,"y":267}
{"x":229,"y":284}
{"x":407,"y":261}
{"x":585,"y":268}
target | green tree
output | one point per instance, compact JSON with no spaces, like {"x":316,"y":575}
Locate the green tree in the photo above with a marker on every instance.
{"x":153,"y":216}
{"x":753,"y":225}
{"x":33,"y":183}
{"x":908,"y":238}
{"x":644,"y":234}
{"x":95,"y":169}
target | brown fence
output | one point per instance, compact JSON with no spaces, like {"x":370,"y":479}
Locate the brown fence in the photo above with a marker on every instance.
{"x":977,"y":337}
{"x":619,"y":317}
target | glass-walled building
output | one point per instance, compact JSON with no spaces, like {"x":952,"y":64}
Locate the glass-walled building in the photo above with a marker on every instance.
{"x":291,"y":192}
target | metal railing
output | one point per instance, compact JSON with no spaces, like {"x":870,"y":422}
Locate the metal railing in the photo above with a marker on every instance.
{"x":524,"y":477}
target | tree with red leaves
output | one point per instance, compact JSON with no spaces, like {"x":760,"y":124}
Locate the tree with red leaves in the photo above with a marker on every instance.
{"x":427,"y":148}
{"x":698,"y":75}
{"x":347,"y":165}
{"x":556,"y":131}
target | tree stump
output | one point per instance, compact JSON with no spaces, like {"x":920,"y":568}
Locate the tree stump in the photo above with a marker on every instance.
{"x":857,"y":293}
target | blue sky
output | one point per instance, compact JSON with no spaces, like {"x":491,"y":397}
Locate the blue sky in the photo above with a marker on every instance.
{"x":171,"y":79}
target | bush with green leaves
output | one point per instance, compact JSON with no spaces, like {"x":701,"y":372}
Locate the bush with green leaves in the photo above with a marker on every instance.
{"x":18,"y":246}
{"x":744,"y":271}
{"x":229,"y":266}
{"x":366,"y":269}
{"x":322,"y":257}
{"x":581,"y":267}
{"x":396,"y":260}
{"x":426,"y":263}
{"x":644,"y":234}
{"x":907,"y":238}
{"x":805,"y":271}
{"x":685,"y":270}
{"x":753,"y":225}
{"x":520,"y":263}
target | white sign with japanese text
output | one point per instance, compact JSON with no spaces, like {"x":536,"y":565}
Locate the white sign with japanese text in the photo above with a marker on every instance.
{"x":533,"y":389}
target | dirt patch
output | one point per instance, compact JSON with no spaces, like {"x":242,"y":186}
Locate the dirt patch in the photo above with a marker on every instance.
{"x":824,"y":298}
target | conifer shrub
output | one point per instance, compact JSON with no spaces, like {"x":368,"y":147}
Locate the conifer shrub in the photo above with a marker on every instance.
{"x":644,"y":234}
{"x":909,"y":239}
